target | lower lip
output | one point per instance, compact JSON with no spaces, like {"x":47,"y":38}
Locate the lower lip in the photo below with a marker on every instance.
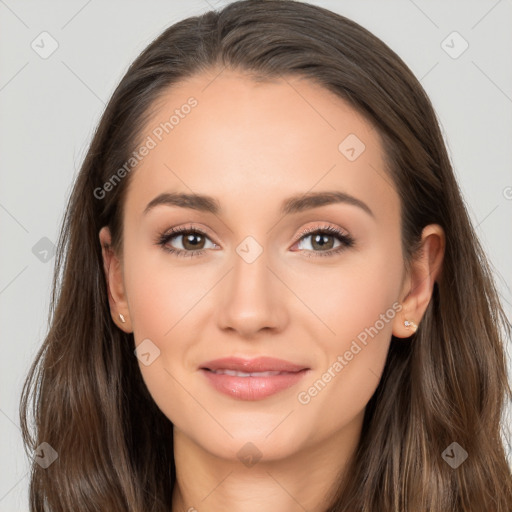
{"x":252,"y":388}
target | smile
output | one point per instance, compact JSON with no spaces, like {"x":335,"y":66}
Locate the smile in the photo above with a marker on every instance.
{"x":252,"y":379}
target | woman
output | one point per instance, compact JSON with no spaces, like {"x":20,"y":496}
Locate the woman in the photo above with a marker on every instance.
{"x":332,"y":339}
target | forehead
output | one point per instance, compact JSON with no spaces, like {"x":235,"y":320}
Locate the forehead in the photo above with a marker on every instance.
{"x":253,"y":143}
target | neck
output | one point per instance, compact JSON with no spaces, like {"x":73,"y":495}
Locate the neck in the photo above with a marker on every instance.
{"x":305,"y":480}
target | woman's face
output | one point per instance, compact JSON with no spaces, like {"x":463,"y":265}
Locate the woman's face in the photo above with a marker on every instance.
{"x":258,"y":284}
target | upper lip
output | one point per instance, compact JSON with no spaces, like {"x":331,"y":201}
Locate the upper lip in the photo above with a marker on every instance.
{"x":259,"y":364}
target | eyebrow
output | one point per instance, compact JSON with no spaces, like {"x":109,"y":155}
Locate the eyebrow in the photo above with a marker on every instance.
{"x":294,"y":204}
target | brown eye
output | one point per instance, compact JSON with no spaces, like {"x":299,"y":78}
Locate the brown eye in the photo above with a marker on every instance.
{"x":320,"y":241}
{"x":193,"y":241}
{"x":326,"y":241}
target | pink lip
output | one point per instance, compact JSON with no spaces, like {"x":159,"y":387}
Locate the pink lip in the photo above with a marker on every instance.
{"x":252,"y":387}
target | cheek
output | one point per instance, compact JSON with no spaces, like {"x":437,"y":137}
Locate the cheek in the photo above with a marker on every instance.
{"x":168,"y":305}
{"x":359,"y":305}
{"x":352,"y":296}
{"x":151,"y":304}
{"x":160,"y":293}
{"x":160,"y":299}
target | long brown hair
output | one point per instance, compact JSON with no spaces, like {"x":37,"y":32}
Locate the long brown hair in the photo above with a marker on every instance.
{"x":85,"y":396}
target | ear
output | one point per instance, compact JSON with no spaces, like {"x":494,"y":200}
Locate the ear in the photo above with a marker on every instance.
{"x":115,"y":283}
{"x":419,"y":283}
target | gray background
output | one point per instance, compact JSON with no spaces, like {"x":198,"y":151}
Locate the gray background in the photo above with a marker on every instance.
{"x":50,"y":106}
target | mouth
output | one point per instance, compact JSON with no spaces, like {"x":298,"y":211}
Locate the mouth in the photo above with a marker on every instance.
{"x":252,"y":379}
{"x":234,"y":373}
{"x":258,"y":365}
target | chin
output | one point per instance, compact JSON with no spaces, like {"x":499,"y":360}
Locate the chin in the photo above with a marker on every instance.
{"x":248,"y":438}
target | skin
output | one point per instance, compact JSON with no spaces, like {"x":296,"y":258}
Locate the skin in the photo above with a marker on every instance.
{"x":251,"y":145}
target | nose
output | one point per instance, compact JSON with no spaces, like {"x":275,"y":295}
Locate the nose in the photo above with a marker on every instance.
{"x":253,"y":297}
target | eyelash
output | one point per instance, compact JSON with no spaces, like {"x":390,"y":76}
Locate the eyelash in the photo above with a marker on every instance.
{"x":346,"y":240}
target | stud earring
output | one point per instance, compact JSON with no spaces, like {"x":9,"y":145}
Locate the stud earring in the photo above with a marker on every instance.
{"x":411,"y":325}
{"x":122,"y":318}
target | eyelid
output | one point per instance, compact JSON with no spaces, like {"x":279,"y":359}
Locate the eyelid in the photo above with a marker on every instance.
{"x":324,"y":227}
{"x":162,"y":239}
{"x":177,"y":230}
{"x":180,"y":229}
{"x":341,"y":234}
